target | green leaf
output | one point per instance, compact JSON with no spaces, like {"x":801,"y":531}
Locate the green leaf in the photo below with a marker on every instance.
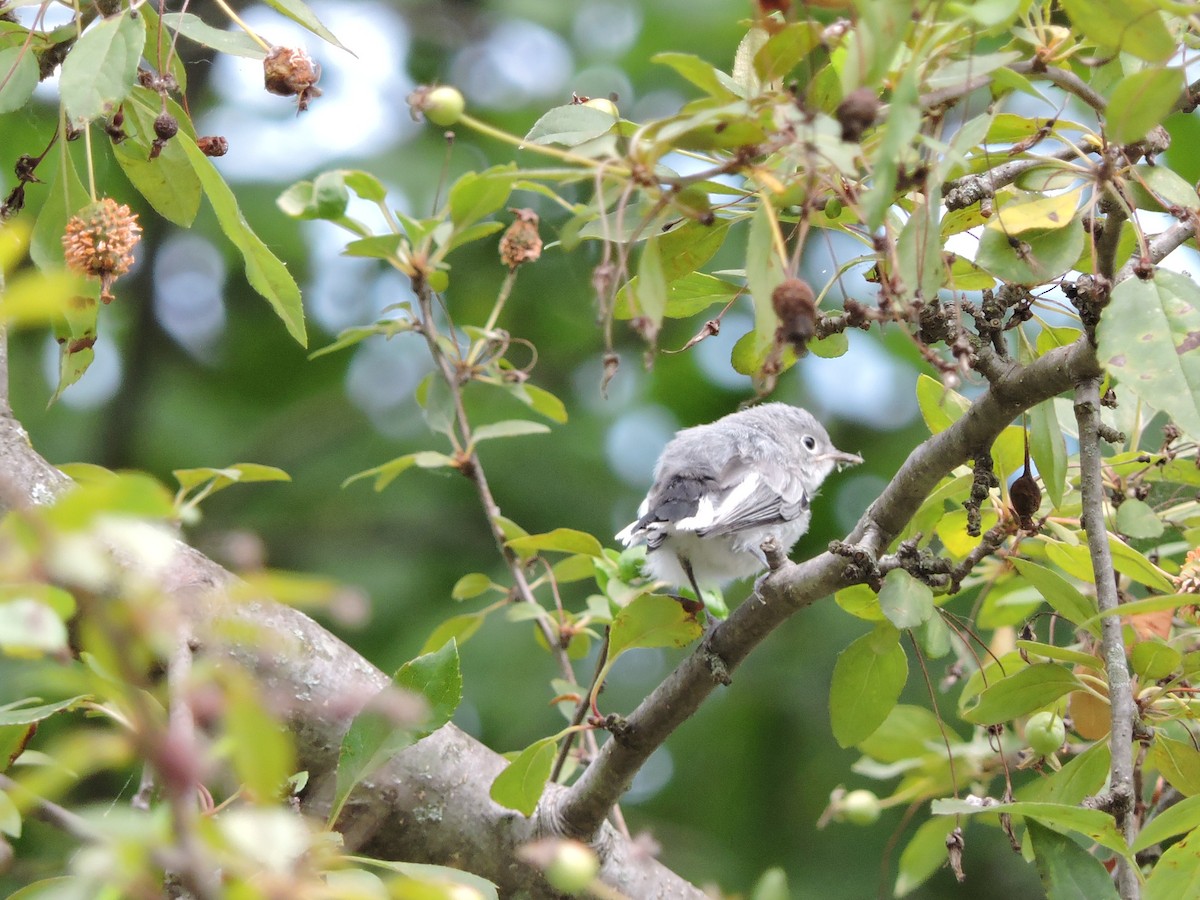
{"x":1075,"y":560}
{"x":698,"y":72}
{"x":924,"y":854}
{"x":899,"y":134}
{"x":428,"y":875}
{"x":387,"y":473}
{"x":1067,"y":870}
{"x":1059,"y":654}
{"x":365,"y":185}
{"x":1135,"y":26}
{"x":1141,"y":101}
{"x":57,"y":599}
{"x":649,"y":298}
{"x":233,"y":43}
{"x":521,"y":784}
{"x":1161,"y":189}
{"x":1179,"y":763}
{"x":263,"y":755}
{"x":434,"y":397}
{"x":940,"y":407}
{"x":469,"y":586}
{"x":652,"y":620}
{"x":1144,"y":338}
{"x":66,"y":197}
{"x":538,"y":399}
{"x":560,"y":540}
{"x":570,"y":125}
{"x":101,"y":68}
{"x":772,"y":885}
{"x":299,"y":13}
{"x":1082,"y":777}
{"x":18,"y":713}
{"x":764,"y":273}
{"x":436,"y":676}
{"x":867,"y":680}
{"x":264,"y":271}
{"x":1033,"y":258}
{"x":459,"y":629}
{"x":1031,"y":688}
{"x":905,"y":601}
{"x":509,"y":428}
{"x":1183,"y":816}
{"x":30,"y":628}
{"x":380,"y":730}
{"x":474,"y":196}
{"x":1036,"y":212}
{"x":10,"y":816}
{"x":1048,"y":448}
{"x":34,"y":298}
{"x":1154,"y":659}
{"x":168,"y":182}
{"x":18,"y":77}
{"x":785,"y":48}
{"x":238,"y":473}
{"x":1136,"y":519}
{"x":1063,"y":597}
{"x":1177,"y":872}
{"x":1098,"y":825}
{"x":687,"y":296}
{"x":859,"y":600}
{"x":385,"y":328}
{"x":908,"y":732}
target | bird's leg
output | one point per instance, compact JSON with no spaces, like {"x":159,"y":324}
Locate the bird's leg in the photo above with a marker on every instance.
{"x":716,"y":664}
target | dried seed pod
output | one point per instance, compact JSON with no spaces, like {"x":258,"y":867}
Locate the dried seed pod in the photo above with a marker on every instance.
{"x":856,"y":113}
{"x":166,"y":126}
{"x":795,"y":305}
{"x":1026,"y":498}
{"x":213,"y":145}
{"x":521,"y":242}
{"x":288,"y":72}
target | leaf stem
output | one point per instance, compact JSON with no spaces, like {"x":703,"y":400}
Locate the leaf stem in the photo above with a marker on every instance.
{"x":237,"y":20}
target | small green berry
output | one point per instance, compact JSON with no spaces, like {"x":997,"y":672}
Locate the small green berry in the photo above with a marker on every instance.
{"x":604,"y":105}
{"x":443,"y":105}
{"x":573,"y":867}
{"x":1045,"y":733}
{"x":860,"y":807}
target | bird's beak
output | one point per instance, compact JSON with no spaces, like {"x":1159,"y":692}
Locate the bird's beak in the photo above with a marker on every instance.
{"x":842,"y":458}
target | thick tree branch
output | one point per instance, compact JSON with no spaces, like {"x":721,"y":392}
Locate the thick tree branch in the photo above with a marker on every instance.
{"x":1120,"y":692}
{"x":580,"y":809}
{"x":320,"y":683}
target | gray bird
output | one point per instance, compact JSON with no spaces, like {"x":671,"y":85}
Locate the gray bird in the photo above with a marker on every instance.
{"x":721,"y":489}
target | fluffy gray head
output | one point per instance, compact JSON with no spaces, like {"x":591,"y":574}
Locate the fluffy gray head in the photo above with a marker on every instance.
{"x":720,"y":489}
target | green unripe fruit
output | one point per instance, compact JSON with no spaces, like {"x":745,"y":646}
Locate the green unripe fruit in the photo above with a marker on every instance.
{"x":573,"y":868}
{"x":860,"y":807}
{"x":443,"y":105}
{"x":1045,"y":732}
{"x":833,"y":208}
{"x":604,"y":105}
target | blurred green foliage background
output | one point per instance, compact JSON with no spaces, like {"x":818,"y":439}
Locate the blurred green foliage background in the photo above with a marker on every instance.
{"x":193,"y":369}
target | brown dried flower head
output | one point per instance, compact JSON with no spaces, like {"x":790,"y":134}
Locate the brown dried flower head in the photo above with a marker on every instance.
{"x":99,"y":242}
{"x":288,"y":72}
{"x":521,"y":242}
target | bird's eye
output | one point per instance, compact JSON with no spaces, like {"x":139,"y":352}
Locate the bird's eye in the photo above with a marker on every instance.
{"x":810,"y":442}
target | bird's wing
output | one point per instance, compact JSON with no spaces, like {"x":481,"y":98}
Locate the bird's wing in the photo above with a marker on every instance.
{"x":747,"y":496}
{"x":677,"y":499}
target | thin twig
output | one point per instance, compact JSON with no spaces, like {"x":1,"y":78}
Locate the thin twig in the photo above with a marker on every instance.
{"x":1091,"y":488}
